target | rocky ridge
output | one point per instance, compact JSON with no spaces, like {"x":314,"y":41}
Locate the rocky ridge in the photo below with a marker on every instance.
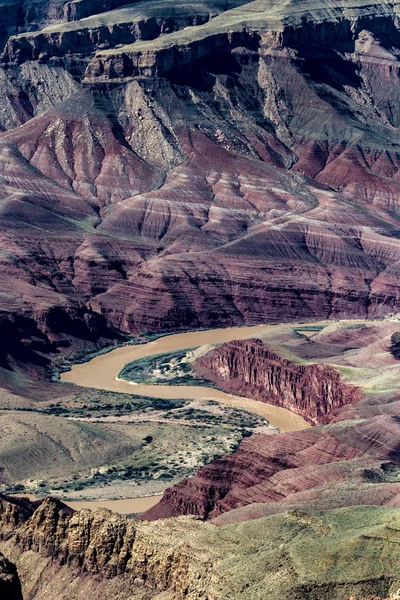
{"x":249,"y":369}
{"x":185,"y":558}
{"x":169,"y":168}
{"x":162,"y":187}
{"x":241,"y":170}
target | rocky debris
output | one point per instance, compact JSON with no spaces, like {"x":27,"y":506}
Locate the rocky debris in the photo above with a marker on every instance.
{"x":107,"y":545}
{"x":60,"y":555}
{"x":249,"y":369}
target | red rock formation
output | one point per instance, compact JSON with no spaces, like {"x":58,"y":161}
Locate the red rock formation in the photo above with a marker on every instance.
{"x":248,"y":368}
{"x":144,"y":203}
{"x":318,"y":467}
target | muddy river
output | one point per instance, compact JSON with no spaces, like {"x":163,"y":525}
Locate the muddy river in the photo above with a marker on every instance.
{"x":101,"y":373}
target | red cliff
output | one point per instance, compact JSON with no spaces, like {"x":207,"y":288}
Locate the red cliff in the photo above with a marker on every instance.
{"x":248,"y":368}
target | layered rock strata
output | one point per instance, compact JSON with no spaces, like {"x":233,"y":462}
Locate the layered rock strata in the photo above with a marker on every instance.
{"x":148,"y":191}
{"x":344,"y":464}
{"x":248,"y":368}
{"x":99,"y":554}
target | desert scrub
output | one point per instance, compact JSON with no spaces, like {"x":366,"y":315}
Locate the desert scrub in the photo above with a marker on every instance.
{"x":97,"y":403}
{"x":173,"y":368}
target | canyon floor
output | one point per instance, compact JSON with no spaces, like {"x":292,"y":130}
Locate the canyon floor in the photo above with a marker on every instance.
{"x":168,"y":168}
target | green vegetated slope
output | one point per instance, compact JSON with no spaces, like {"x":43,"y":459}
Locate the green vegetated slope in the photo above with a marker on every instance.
{"x":311,"y":555}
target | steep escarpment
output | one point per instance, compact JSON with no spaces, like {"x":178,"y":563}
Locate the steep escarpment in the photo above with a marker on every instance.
{"x":178,"y":167}
{"x":140,"y":21}
{"x":109,"y":546}
{"x":262,"y":25}
{"x":250,"y":369}
{"x":150,"y":179}
{"x":148,"y":189}
{"x":323,"y":467}
{"x":64,"y":554}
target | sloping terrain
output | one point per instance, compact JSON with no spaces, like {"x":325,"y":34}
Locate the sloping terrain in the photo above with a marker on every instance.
{"x":300,"y":555}
{"x":353,"y":460}
{"x":172,"y":167}
{"x":150,"y":179}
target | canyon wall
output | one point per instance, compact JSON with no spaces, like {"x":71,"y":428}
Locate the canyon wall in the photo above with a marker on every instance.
{"x":65,"y":555}
{"x":225,"y":172}
{"x":341,"y":464}
{"x":248,"y":368}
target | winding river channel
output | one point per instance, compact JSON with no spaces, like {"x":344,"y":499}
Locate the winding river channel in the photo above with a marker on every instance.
{"x":101,"y":372}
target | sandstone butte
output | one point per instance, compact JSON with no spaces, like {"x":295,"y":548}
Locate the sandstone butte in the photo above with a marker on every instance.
{"x":168,"y":168}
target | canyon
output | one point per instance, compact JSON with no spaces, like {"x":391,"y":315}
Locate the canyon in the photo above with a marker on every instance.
{"x":248,"y":367}
{"x":146,"y":195}
{"x":173,"y":168}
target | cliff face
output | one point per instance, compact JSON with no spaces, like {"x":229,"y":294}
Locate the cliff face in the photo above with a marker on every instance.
{"x":98,"y":554}
{"x":322,"y":467}
{"x":108,"y":546}
{"x":142,"y":183}
{"x":248,"y":368}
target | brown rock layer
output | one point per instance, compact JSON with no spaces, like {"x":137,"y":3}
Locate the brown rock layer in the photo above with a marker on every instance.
{"x":108,"y":545}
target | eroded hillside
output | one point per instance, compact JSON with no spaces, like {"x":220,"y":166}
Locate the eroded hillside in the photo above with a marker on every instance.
{"x":169,"y":168}
{"x":142,"y":183}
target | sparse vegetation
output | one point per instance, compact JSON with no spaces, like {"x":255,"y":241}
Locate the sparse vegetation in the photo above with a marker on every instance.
{"x":170,"y":368}
{"x":137,"y":434}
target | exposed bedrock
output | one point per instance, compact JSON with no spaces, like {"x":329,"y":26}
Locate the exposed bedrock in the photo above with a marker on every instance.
{"x":248,"y":368}
{"x":256,"y":182}
{"x":44,"y":45}
{"x":28,"y":16}
{"x":323,"y":467}
{"x":299,"y":36}
{"x":108,"y":553}
{"x":62,"y":554}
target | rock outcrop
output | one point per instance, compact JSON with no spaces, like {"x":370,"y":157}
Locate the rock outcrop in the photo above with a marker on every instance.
{"x":148,"y":189}
{"x":248,"y":368}
{"x":64,"y":554}
{"x":170,"y":167}
{"x":10,"y":586}
{"x":318,"y":467}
